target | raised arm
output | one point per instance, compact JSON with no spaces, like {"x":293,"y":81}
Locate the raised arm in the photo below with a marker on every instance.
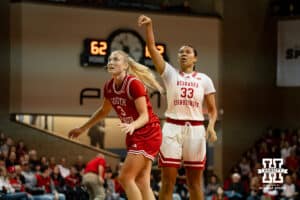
{"x":96,"y":117}
{"x":156,"y":57}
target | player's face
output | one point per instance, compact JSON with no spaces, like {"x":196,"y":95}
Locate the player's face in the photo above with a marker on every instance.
{"x":116,"y":63}
{"x":186,"y":57}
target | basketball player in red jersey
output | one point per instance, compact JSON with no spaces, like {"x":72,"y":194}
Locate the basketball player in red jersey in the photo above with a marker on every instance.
{"x":128,"y":96}
{"x":184,"y":136}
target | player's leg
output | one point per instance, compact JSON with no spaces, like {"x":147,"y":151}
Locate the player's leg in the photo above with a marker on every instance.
{"x":194,"y":156}
{"x":169,"y":159}
{"x":194,"y":180}
{"x":133,"y":165}
{"x":168,"y":181}
{"x":143,"y":181}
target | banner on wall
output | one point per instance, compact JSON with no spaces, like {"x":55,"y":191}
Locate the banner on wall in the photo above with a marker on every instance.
{"x":288,"y":53}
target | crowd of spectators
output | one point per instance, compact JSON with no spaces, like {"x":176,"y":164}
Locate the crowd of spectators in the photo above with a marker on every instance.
{"x":244,"y":182}
{"x":25,"y":175}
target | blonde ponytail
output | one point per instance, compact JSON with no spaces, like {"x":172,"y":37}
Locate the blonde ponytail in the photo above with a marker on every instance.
{"x":144,"y":74}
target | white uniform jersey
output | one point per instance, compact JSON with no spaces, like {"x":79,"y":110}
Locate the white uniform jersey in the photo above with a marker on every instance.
{"x":185,"y":93}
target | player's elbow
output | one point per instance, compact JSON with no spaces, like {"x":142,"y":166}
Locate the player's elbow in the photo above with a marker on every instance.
{"x":146,"y":117}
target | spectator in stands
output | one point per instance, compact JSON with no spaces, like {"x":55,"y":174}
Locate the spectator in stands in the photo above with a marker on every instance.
{"x":245,"y":168}
{"x":64,"y":170}
{"x":212,"y":186}
{"x":292,"y":162}
{"x":220,"y":195}
{"x":19,"y":174}
{"x":118,"y":187}
{"x":58,"y":180}
{"x":44,"y":160}
{"x":2,"y":161}
{"x":255,"y":189}
{"x":285,"y":150}
{"x":15,"y":180}
{"x":296,"y":180}
{"x":288,"y":189}
{"x":34,"y":162}
{"x":263,"y":151}
{"x":38,"y":193}
{"x":269,"y":192}
{"x":80,"y":164}
{"x":254,"y":171}
{"x":110,"y":186}
{"x":6,"y":146}
{"x":274,"y":152}
{"x":7,"y":191}
{"x":11,"y":160}
{"x":52,"y":162}
{"x":44,"y":181}
{"x":26,"y":157}
{"x":13,"y":148}
{"x":72,"y":183}
{"x":93,"y":177}
{"x":253,"y":155}
{"x":235,"y":190}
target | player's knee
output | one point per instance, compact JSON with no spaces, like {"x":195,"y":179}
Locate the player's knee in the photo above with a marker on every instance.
{"x":194,"y":185}
{"x":168,"y":185}
{"x":143,"y":183}
{"x":124,"y":180}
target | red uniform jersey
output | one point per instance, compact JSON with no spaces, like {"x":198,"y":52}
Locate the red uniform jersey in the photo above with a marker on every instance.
{"x":122,"y":100}
{"x":147,"y":139}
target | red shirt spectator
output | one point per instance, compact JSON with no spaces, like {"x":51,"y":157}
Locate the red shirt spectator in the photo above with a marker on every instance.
{"x":292,"y":162}
{"x":44,"y":182}
{"x":14,"y":180}
{"x":73,"y":179}
{"x":44,"y":179}
{"x":94,"y":164}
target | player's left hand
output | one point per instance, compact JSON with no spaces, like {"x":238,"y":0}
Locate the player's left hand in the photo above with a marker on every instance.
{"x":211,"y":135}
{"x":127,"y":128}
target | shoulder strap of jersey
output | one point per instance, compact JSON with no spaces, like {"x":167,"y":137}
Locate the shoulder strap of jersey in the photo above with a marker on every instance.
{"x":130,"y":79}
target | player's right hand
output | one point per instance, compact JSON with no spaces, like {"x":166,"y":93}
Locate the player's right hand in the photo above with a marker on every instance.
{"x":144,"y":20}
{"x":75,"y":132}
{"x":211,"y":135}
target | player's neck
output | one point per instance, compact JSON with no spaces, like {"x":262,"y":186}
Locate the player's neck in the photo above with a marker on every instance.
{"x":187,"y":70}
{"x":119,"y":79}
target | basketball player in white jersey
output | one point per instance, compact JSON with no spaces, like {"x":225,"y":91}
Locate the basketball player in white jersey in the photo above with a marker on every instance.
{"x":184,"y":136}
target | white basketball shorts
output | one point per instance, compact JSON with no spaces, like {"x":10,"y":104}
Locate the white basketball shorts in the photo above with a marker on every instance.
{"x":183,"y":141}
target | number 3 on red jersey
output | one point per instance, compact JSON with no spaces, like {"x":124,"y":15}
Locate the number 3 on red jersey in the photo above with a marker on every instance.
{"x":121,"y":111}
